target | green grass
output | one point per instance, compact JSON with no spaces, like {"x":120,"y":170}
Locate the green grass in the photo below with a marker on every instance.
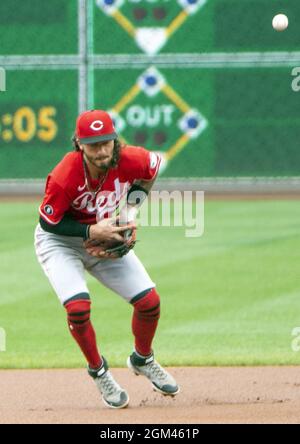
{"x":231,"y":297}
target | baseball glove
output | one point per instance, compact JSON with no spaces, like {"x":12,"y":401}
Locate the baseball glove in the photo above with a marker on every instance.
{"x":112,"y":249}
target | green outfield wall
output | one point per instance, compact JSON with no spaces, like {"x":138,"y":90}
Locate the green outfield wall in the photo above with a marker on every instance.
{"x":209,"y":84}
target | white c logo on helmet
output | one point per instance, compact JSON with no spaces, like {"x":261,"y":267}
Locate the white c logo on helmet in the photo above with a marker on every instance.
{"x":97,"y":125}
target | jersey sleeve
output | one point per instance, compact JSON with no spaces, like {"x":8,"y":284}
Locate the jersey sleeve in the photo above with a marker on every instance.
{"x":142,"y":164}
{"x":55,"y":204}
{"x":152,"y":163}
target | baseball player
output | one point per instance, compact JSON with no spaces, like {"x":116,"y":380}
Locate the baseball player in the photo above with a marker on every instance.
{"x":76,"y":228}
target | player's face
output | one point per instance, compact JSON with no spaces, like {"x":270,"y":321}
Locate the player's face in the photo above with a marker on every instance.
{"x":99,"y":154}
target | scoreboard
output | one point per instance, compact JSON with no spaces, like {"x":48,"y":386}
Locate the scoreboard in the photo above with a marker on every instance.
{"x":37,"y":117}
{"x":30,"y":27}
{"x":192,"y":26}
{"x":207,"y":83}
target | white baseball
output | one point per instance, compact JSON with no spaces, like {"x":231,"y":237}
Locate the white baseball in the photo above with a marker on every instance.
{"x":280,"y":22}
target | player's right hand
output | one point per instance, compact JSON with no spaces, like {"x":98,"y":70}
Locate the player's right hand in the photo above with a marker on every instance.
{"x":107,"y":230}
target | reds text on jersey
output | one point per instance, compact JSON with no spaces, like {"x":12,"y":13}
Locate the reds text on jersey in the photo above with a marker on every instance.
{"x":66,"y":191}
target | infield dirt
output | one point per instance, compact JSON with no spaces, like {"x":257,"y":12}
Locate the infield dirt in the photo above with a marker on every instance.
{"x":208,"y":395}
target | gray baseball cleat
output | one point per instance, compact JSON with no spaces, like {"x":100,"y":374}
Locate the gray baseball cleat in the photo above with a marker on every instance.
{"x":112,"y":394}
{"x":161,"y":380}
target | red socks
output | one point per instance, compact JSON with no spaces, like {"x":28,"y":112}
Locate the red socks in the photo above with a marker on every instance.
{"x":144,"y":321}
{"x":82,"y":330}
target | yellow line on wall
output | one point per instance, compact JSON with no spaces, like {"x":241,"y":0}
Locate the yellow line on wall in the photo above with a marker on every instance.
{"x":124,"y":22}
{"x":176,"y":23}
{"x":132,"y":93}
{"x":179,"y":102}
{"x":177,"y":147}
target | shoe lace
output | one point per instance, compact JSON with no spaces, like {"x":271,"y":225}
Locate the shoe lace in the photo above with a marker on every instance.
{"x":108,"y":384}
{"x":158,"y":371}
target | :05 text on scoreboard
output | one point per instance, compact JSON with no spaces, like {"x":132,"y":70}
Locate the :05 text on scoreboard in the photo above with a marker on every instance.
{"x":26,"y":124}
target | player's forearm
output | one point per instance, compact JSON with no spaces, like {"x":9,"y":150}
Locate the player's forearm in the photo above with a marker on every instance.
{"x":67,"y":227}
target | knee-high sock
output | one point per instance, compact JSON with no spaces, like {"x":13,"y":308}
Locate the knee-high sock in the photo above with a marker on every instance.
{"x":144,"y":321}
{"x":82,"y":330}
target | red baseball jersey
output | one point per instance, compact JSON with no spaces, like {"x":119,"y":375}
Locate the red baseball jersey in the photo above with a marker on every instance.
{"x":66,"y":190}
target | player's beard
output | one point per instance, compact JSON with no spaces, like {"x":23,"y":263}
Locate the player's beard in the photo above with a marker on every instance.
{"x":103,"y":166}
